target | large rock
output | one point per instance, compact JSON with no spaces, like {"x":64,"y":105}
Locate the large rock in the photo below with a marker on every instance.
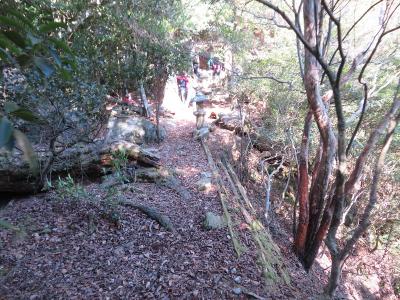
{"x":201,"y":133}
{"x":205,"y":182}
{"x":213,"y":221}
{"x":133,"y":129}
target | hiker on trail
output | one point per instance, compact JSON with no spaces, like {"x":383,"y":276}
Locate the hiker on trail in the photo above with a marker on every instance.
{"x":182,"y":82}
{"x":216,"y":67}
{"x":210,"y":63}
{"x":196,"y":68}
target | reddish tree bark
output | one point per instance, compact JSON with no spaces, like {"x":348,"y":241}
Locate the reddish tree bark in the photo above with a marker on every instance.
{"x":323,"y":170}
{"x":323,"y":218}
{"x":302,"y":192}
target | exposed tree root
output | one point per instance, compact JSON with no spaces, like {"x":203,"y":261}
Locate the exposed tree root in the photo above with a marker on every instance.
{"x":152,"y":213}
{"x":239,"y":248}
{"x":270,"y":257}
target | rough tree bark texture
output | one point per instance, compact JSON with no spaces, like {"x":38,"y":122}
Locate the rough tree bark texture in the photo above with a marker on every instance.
{"x":81,"y":159}
{"x":320,"y":186}
{"x":159,"y":91}
{"x":302,"y":188}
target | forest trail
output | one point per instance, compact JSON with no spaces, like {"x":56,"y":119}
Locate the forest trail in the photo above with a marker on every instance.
{"x":92,"y":247}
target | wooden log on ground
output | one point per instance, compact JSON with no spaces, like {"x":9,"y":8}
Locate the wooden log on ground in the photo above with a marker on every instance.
{"x":270,"y":257}
{"x":233,"y":123}
{"x":222,"y":192}
{"x":152,"y":213}
{"x":164,"y":177}
{"x":90,"y":160}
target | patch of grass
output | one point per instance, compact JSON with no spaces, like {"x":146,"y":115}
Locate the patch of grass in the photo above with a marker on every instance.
{"x":19,"y":232}
{"x":270,"y":258}
{"x":119,"y":163}
{"x":67,"y":188}
{"x":110,"y":209}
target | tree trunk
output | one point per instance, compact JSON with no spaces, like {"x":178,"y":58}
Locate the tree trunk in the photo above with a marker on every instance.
{"x":159,"y":91}
{"x":311,"y":81}
{"x":15,"y":176}
{"x":334,"y":278}
{"x":302,"y":192}
{"x":146,"y":106}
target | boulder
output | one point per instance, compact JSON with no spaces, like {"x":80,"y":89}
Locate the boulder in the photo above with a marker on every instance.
{"x":204,"y":184}
{"x":213,"y":221}
{"x":133,"y":129}
{"x":201,"y":133}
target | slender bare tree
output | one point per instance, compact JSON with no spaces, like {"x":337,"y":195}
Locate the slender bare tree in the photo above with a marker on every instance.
{"x":321,"y":199}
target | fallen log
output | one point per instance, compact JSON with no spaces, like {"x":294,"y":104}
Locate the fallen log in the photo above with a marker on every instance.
{"x":152,"y":213}
{"x":164,"y":177}
{"x":270,"y":257}
{"x":223,"y":194}
{"x":233,"y":123}
{"x":79,"y":160}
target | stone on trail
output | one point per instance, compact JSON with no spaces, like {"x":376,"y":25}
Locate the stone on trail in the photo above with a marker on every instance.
{"x":201,"y":133}
{"x":204,"y":184}
{"x":133,"y":129}
{"x":237,"y":290}
{"x":213,"y":221}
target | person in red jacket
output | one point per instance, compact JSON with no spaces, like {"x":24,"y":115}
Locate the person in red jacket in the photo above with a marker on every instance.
{"x":183,"y":82}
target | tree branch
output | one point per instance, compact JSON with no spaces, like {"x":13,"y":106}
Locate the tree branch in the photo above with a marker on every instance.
{"x":300,"y":36}
{"x":370,"y":144}
{"x":365,"y":219}
{"x":365,"y":86}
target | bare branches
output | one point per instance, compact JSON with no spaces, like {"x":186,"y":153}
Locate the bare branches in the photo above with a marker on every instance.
{"x":350,"y":30}
{"x":360,"y":18}
{"x":365,"y":86}
{"x":271,"y":77}
{"x":325,"y":209}
{"x":365,"y":219}
{"x":313,"y":50}
{"x":370,"y":144}
{"x":340,"y":42}
{"x":371,"y":93}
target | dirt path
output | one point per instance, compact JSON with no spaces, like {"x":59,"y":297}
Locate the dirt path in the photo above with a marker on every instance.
{"x":88,"y":249}
{"x":92,"y":247}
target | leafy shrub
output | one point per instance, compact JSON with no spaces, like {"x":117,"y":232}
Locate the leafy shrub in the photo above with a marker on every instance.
{"x":67,"y":188}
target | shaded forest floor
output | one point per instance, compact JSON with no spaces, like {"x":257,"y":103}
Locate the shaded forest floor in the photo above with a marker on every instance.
{"x":91,"y":247}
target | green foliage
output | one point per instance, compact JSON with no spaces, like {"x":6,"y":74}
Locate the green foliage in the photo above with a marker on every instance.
{"x":27,"y":40}
{"x":119,"y":163}
{"x":28,"y":37}
{"x":127,"y":41}
{"x":17,"y":230}
{"x":7,"y":225}
{"x":68,"y":189}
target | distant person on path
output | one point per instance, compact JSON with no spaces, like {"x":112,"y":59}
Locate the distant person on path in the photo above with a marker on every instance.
{"x":216,"y":67}
{"x":210,"y":63}
{"x":196,"y":68}
{"x":183,"y":82}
